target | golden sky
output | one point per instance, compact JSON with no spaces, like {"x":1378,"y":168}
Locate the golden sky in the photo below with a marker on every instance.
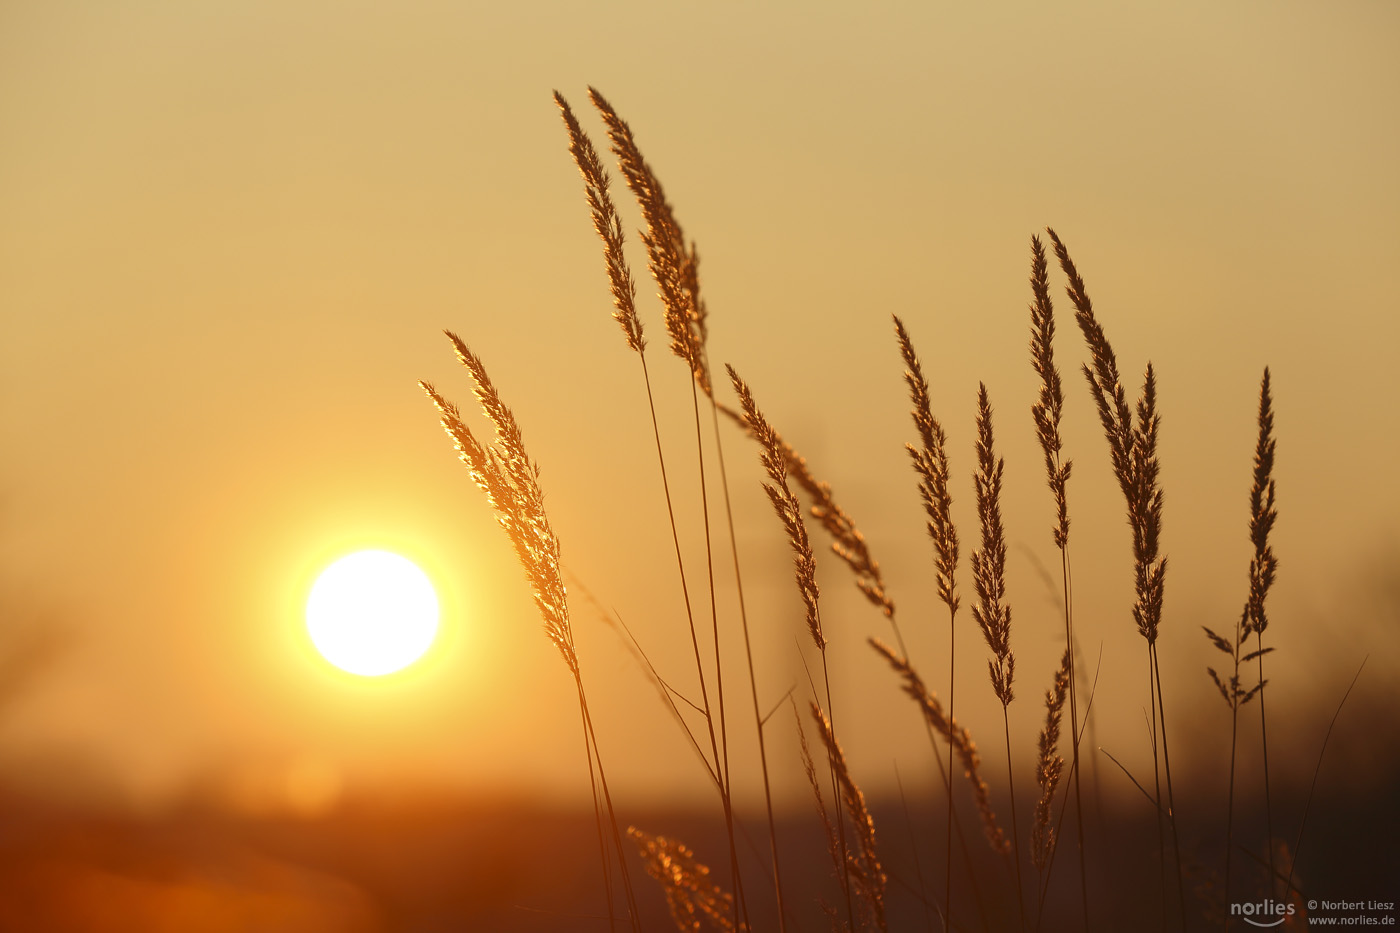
{"x":231,"y":232}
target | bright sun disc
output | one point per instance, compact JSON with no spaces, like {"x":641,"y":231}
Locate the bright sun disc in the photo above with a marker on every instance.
{"x":372,"y":613}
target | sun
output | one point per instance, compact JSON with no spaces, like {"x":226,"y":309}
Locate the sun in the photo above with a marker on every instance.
{"x":372,"y":613}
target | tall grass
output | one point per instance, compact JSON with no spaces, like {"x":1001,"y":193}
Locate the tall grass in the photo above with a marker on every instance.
{"x":696,"y":897}
{"x":1132,"y":446}
{"x":1047,"y":412}
{"x":992,"y":613}
{"x":673,"y":267}
{"x":931,"y":465}
{"x":508,"y":477}
{"x":1253,"y":620}
{"x":789,"y":512}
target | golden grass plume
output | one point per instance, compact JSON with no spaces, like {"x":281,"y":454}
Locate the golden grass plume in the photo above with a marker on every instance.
{"x":1132,"y":448}
{"x":992,"y":613}
{"x":510,"y":479}
{"x":1263,"y":514}
{"x":931,"y":463}
{"x":672,"y":264}
{"x":1049,"y":405}
{"x":693,"y":898}
{"x":784,"y":503}
{"x":607,"y":223}
{"x":847,"y":541}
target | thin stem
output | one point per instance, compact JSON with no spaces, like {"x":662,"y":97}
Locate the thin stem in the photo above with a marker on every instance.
{"x":588,"y":751}
{"x":680,"y":567}
{"x":612,"y":814}
{"x":690,"y":619}
{"x":1091,"y":726}
{"x":722,"y":753}
{"x":1230,"y":798}
{"x":1171,"y":800}
{"x":836,"y":795}
{"x":1074,"y":726}
{"x":1157,"y":783}
{"x":1234,"y":697}
{"x":753,"y":680}
{"x":1015,"y":831}
{"x":1145,"y":795}
{"x":948,"y":873}
{"x":1264,"y":734}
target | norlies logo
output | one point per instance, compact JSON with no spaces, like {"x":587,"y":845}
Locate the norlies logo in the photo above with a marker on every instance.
{"x":1270,"y":912}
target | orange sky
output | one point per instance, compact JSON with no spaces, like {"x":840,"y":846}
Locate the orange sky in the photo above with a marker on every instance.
{"x":230,"y":233}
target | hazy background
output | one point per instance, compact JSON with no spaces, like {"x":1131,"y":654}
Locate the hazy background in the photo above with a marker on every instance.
{"x":230,"y":233}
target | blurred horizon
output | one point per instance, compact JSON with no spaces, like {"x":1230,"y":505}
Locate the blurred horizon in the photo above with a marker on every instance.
{"x":231,"y":234}
{"x":431,"y":862}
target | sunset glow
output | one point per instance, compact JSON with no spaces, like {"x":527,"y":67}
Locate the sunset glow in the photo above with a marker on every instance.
{"x":563,"y":468}
{"x":372,"y":613}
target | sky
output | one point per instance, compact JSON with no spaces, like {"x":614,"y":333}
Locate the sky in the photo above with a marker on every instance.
{"x":232,"y":232}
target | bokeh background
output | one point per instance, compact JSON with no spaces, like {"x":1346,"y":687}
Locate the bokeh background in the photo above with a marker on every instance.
{"x":231,"y":232}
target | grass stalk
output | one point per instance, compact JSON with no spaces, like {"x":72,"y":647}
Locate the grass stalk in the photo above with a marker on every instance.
{"x":604,"y":858}
{"x":1047,"y":412}
{"x":722,"y":752}
{"x":900,"y":662}
{"x":1133,"y":455}
{"x":1064,"y":805}
{"x":789,"y":512}
{"x":628,"y":891}
{"x":850,"y":546}
{"x":958,"y":738}
{"x":1264,"y":739}
{"x":674,"y":268}
{"x":863,"y":859}
{"x":1253,"y":619}
{"x":506,"y":474}
{"x":694,"y":641}
{"x":837,"y":799}
{"x":1235,"y":696}
{"x":1262,"y":569}
{"x":1171,"y":796}
{"x":753,"y":680}
{"x":1015,"y":831}
{"x":930,"y":461}
{"x":681,"y":299}
{"x":1157,"y":783}
{"x":1049,"y":765}
{"x":991,"y":611}
{"x":1230,"y":803}
{"x":1075,"y":733}
{"x":948,"y":845}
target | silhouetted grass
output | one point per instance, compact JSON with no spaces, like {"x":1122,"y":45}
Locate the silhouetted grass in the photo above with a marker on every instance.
{"x":698,"y":899}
